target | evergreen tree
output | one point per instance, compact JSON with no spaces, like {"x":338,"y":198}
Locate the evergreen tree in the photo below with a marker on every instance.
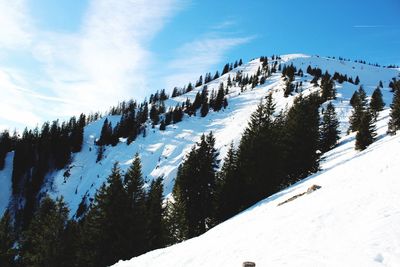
{"x":376,"y":105}
{"x":328,"y":88}
{"x":194,"y":189}
{"x":357,"y":81}
{"x":360,"y":107}
{"x":154,"y":114}
{"x":40,"y":244}
{"x":226,"y":69}
{"x":288,"y":88}
{"x":394,"y":122}
{"x":156,"y":235}
{"x":302,"y":138}
{"x":329,"y":129}
{"x":366,"y":131}
{"x":7,"y":241}
{"x":105,"y":235}
{"x":204,"y":109}
{"x":106,"y":134}
{"x":229,"y":187}
{"x":216,"y":76}
{"x":6,"y":145}
{"x":219,"y":100}
{"x":134,"y":183}
{"x":162,"y":125}
{"x":260,"y":149}
{"x":100,"y":153}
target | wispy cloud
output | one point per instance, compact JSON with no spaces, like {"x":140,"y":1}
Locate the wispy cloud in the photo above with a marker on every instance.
{"x":15,"y":24}
{"x":368,"y":26}
{"x":199,"y":56}
{"x":106,"y":61}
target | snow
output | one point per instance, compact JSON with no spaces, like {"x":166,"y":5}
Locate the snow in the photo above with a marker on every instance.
{"x":162,"y":152}
{"x":353,"y":220}
{"x":5,"y":182}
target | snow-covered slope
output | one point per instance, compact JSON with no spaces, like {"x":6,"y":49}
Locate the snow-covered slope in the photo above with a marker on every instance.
{"x":162,"y":152}
{"x":352,"y":220}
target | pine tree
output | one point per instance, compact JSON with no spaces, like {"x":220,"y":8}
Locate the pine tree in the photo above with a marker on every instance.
{"x":366,"y":131}
{"x":260,"y":149}
{"x":376,"y":105}
{"x":357,"y":81}
{"x":360,"y":107}
{"x":156,"y":235}
{"x":105,"y":236}
{"x":194,"y":189}
{"x":7,"y":240}
{"x":219,"y":100}
{"x":229,"y":187}
{"x":162,"y":125}
{"x":302,"y":138}
{"x":329,"y":129}
{"x":40,"y":244}
{"x":100,"y":153}
{"x":154,"y":115}
{"x":204,"y":109}
{"x":134,"y":183}
{"x":328,"y":88}
{"x":288,"y":88}
{"x":394,"y":122}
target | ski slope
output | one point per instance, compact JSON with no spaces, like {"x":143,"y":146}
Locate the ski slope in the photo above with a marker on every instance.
{"x":352,"y":220}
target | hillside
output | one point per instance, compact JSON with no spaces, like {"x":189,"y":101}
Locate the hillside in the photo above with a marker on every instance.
{"x":281,"y":146}
{"x":162,"y":152}
{"x":352,"y":220}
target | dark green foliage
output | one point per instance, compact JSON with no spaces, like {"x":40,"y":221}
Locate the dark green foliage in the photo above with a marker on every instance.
{"x":357,"y":81}
{"x":229,"y":188}
{"x":216,"y":76}
{"x":301,"y":138}
{"x":133,"y":182}
{"x":154,"y":114}
{"x":359,"y":103}
{"x":366,"y":131}
{"x":289,"y":87}
{"x":328,"y":88}
{"x":219,"y":100}
{"x":376,"y":105}
{"x":394,"y":85}
{"x":76,"y":135}
{"x":40,"y":244}
{"x":100,"y":153}
{"x":226,"y":69}
{"x":177,"y":114}
{"x":104,"y":232}
{"x":204,"y":109}
{"x":7,"y":240}
{"x":329,"y":129}
{"x":6,"y":145}
{"x":156,"y":227}
{"x":194,"y":190}
{"x":162,"y":125}
{"x":106,"y":135}
{"x":394,"y":122}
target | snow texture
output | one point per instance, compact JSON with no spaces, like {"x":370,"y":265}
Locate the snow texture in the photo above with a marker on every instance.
{"x":352,"y":220}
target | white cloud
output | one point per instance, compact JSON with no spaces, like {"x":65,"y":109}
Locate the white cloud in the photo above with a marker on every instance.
{"x":106,"y":61}
{"x":199,"y":56}
{"x":15,"y":26}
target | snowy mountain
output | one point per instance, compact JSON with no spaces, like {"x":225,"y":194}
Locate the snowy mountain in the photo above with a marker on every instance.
{"x":352,"y":220}
{"x":162,"y":152}
{"x":352,"y":183}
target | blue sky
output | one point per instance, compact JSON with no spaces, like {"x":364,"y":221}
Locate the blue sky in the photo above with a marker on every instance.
{"x":60,"y":58}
